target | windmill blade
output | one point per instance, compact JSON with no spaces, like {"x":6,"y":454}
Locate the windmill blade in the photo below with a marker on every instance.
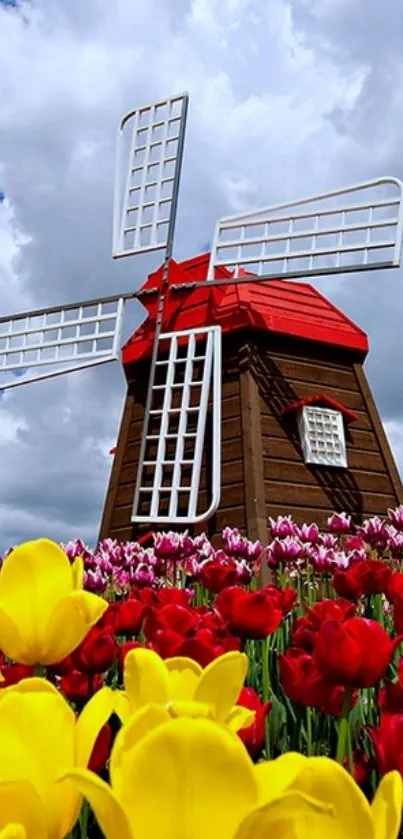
{"x":147,"y":183}
{"x":357,"y":228}
{"x":49,"y":342}
{"x":188,"y":374}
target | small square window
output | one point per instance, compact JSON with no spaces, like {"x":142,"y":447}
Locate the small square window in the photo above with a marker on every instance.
{"x":322,"y":436}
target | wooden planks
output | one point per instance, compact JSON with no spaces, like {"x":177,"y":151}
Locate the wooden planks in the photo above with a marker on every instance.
{"x":263,"y":472}
{"x":253,"y":472}
{"x":117,"y":466}
{"x":232,"y":473}
{"x":301,"y":474}
{"x":379,"y":432}
{"x":368,"y":486}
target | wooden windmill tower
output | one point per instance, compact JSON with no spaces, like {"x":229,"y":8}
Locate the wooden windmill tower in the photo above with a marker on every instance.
{"x":246,"y":394}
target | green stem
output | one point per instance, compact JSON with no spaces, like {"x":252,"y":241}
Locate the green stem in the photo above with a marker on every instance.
{"x":350,"y":763}
{"x":344,"y":726}
{"x":308,"y":731}
{"x":39,"y":671}
{"x":266,"y":688}
{"x":85,"y":812}
{"x":309,"y":584}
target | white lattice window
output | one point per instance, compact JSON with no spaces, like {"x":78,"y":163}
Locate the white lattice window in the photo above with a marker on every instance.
{"x":146,"y":193}
{"x":351,"y":229}
{"x":188,"y":378}
{"x":322,"y":436}
{"x":48,"y":342}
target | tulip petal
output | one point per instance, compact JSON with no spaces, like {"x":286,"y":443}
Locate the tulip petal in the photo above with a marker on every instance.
{"x":240,"y":717}
{"x":77,"y":573}
{"x":21,"y":809}
{"x":16,"y":749}
{"x":109,"y":813}
{"x":184,"y":674}
{"x":93,"y":716}
{"x":12,"y":643}
{"x":140,"y":724}
{"x":221,"y":682}
{"x":274,"y":776}
{"x":145,"y":678}
{"x":192,"y":777}
{"x":37,"y":733}
{"x":190,"y":709}
{"x":69,"y":623}
{"x":121,"y":705}
{"x":294,"y":816}
{"x":387,"y":806}
{"x":33,"y":684}
{"x":326,"y":781}
{"x":34,"y":576}
{"x":13,"y":831}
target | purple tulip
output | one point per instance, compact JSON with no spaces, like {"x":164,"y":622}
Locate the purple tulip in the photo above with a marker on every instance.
{"x":339,"y":523}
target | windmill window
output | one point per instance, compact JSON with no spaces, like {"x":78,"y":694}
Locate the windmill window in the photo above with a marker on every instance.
{"x":322,"y":436}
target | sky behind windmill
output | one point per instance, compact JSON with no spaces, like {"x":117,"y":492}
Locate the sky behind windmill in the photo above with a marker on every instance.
{"x":288,"y":98}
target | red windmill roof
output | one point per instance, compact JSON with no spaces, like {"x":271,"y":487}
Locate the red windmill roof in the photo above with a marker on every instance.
{"x":279,"y":306}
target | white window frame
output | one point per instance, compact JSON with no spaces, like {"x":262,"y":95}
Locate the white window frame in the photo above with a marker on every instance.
{"x":314,"y":445}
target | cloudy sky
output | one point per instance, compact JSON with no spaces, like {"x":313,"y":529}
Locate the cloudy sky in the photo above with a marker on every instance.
{"x":288,"y":97}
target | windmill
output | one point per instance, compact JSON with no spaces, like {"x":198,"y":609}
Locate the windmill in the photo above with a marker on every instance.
{"x":357,"y":228}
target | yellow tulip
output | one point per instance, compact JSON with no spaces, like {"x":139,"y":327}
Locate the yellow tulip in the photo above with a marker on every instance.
{"x":40,"y":738}
{"x":44,"y":613}
{"x":192,"y":778}
{"x":184,"y":688}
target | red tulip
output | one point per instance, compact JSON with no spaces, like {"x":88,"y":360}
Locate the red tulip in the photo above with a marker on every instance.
{"x":101,"y":750}
{"x":203,"y":646}
{"x":249,"y":614}
{"x":253,"y":736}
{"x":173,"y":617}
{"x":303,"y":683}
{"x":79,"y":687}
{"x":14,"y":673}
{"x":371,"y":576}
{"x":217,"y":574}
{"x":361,"y":767}
{"x":127,"y":616}
{"x":390,"y":696}
{"x":305,"y":628}
{"x":285,"y":598}
{"x":387,"y":741}
{"x":355,"y":653}
{"x":64,"y":666}
{"x":96,"y":653}
{"x":163,"y":596}
{"x":210,"y":620}
{"x":395,"y":586}
{"x":394,"y":594}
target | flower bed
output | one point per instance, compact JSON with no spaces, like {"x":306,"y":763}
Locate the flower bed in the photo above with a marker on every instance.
{"x":242,"y":691}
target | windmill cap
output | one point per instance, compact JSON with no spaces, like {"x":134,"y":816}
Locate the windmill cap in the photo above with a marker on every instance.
{"x":283,"y":307}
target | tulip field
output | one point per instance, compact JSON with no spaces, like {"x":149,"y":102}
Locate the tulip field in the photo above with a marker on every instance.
{"x":185,"y":691}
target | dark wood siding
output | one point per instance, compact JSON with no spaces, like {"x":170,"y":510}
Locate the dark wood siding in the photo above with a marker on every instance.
{"x":263,"y":472}
{"x":116,"y":521}
{"x":368,"y":486}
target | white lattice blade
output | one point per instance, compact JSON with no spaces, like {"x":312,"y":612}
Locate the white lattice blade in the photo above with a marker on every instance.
{"x":49,"y":342}
{"x":147,"y":176}
{"x":168,"y":477}
{"x":351,"y":229}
